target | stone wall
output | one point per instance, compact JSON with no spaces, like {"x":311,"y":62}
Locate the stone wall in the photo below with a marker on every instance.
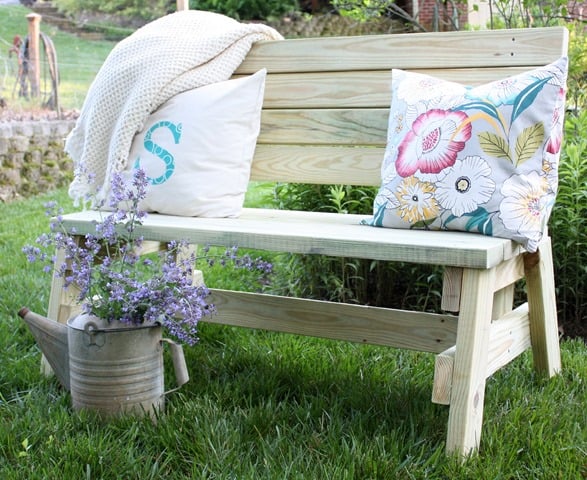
{"x":32,"y":159}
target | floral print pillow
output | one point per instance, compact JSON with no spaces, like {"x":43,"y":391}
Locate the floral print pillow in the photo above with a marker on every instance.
{"x":476,"y":159}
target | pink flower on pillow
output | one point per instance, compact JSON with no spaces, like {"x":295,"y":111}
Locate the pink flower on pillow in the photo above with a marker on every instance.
{"x":433,"y":142}
{"x":554,"y":142}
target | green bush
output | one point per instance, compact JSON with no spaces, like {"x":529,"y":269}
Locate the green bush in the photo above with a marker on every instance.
{"x":147,"y":11}
{"x":123,"y":8}
{"x":568,"y":229}
{"x":577,"y":81}
{"x":351,"y":280}
{"x":247,"y":9}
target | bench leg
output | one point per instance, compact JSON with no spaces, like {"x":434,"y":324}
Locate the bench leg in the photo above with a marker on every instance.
{"x":542,"y":309}
{"x":470,"y":362}
{"x":62,"y":305}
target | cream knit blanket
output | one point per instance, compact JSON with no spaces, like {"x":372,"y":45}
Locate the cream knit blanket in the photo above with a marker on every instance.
{"x":175,"y":53}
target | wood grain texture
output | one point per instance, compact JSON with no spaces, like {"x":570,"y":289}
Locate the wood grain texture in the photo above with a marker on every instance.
{"x":320,"y":233}
{"x":324,"y":127}
{"x":543,"y":316}
{"x":344,"y":165}
{"x":479,"y":49}
{"x":470,"y":363}
{"x":356,"y":323}
{"x":509,"y":337}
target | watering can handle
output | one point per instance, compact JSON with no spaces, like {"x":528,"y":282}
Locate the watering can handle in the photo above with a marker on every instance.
{"x":181,"y":372}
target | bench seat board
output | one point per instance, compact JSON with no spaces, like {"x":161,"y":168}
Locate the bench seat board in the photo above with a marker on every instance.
{"x":320,"y":233}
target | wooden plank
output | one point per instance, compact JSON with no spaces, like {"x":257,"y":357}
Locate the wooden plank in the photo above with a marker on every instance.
{"x":503,"y":302}
{"x":543,"y":315}
{"x":319,"y":233}
{"x":62,"y":305}
{"x":324,"y":127}
{"x":509,"y":272}
{"x":470,"y":364}
{"x":509,"y":338}
{"x":479,"y":49}
{"x":452,"y":279}
{"x":339,"y":89}
{"x":338,"y":321}
{"x":328,"y":90}
{"x":350,"y":165}
{"x":443,"y":369}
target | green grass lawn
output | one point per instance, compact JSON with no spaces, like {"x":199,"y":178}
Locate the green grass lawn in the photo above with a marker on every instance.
{"x":273,"y":406}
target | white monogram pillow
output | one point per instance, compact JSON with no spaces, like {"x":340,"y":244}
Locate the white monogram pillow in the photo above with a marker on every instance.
{"x":197,"y":148}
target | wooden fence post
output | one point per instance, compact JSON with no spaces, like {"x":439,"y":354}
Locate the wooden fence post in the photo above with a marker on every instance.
{"x":34,"y":52}
{"x":183,"y":5}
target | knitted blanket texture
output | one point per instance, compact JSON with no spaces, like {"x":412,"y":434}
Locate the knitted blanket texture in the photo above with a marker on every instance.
{"x":175,"y":53}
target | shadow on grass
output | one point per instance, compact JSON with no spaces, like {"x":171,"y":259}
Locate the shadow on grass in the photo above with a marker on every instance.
{"x":317,"y":385}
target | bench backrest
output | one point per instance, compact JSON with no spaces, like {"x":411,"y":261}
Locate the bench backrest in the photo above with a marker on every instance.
{"x":327,"y":99}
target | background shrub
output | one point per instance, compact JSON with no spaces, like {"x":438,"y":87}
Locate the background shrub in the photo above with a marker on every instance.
{"x":568,"y":228}
{"x":351,"y":280}
{"x":247,"y":9}
{"x":122,"y":8}
{"x":239,"y":9}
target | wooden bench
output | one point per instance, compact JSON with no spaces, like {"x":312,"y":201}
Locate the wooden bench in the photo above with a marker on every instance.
{"x":324,"y":121}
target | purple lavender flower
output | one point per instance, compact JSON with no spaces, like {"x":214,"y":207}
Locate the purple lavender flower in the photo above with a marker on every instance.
{"x":111,"y":280}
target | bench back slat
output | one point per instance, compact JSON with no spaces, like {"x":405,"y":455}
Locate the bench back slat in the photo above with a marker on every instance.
{"x":358,"y":126}
{"x":339,"y":89}
{"x":308,"y":164}
{"x":491,"y":48}
{"x":327,"y":99}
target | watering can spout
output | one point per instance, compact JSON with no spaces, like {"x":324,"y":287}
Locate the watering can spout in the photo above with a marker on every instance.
{"x":51,"y":337}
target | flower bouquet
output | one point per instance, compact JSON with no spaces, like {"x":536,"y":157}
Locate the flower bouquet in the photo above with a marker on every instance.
{"x":115,"y":283}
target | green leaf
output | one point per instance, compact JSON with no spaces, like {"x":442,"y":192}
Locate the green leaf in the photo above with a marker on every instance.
{"x":378,"y":216}
{"x":527,"y":97}
{"x":494,"y":145}
{"x":480,"y":221}
{"x":424,"y":224}
{"x":528,"y":142}
{"x":486,"y":107}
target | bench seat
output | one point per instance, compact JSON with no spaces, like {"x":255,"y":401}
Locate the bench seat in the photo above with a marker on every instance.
{"x":320,"y":233}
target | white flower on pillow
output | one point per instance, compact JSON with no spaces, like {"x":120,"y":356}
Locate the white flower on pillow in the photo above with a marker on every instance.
{"x":416,"y":201}
{"x":555,"y":73}
{"x":550,"y":172}
{"x":412,"y":92}
{"x":481,"y":159}
{"x":502,"y":92}
{"x":466,"y":185}
{"x":387,"y":198}
{"x":423,"y":88}
{"x":432,"y":144}
{"x":525,"y":204}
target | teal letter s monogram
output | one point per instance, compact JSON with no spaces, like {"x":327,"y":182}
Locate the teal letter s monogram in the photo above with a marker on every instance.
{"x":160,"y":152}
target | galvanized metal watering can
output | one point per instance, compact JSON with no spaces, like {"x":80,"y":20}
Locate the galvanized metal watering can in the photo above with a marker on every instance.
{"x":109,"y":368}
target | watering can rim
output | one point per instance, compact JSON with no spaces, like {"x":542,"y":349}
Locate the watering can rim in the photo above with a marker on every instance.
{"x":95,"y":324}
